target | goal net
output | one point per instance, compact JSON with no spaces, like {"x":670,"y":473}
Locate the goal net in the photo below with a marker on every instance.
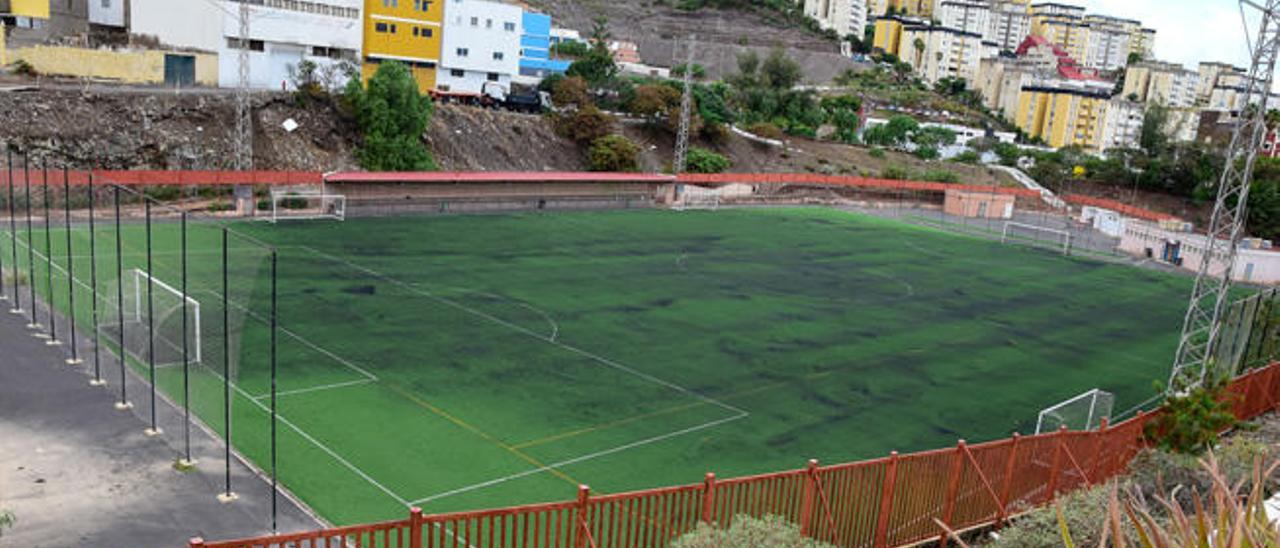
{"x":1050,"y":238}
{"x":1083,"y":412}
{"x":152,"y":305}
{"x":296,"y":205}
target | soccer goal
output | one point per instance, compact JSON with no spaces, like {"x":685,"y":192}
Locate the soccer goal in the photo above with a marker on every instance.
{"x":304,"y":205}
{"x":163,"y":313}
{"x":1083,"y":412}
{"x":1052,"y":238}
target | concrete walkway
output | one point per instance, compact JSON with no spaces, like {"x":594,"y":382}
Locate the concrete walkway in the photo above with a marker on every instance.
{"x":78,"y":472}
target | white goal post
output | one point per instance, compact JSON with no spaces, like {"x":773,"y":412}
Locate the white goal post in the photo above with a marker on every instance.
{"x":1031,"y":234}
{"x":304,"y":205}
{"x":1083,"y":412}
{"x":167,"y":303}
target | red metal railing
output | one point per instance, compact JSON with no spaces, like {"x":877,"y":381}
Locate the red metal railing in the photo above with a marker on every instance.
{"x":893,"y":501}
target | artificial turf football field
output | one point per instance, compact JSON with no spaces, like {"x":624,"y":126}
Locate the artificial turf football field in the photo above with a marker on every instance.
{"x":461,"y":362}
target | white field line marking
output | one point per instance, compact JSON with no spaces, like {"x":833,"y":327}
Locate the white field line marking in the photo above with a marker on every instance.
{"x":555,"y":327}
{"x":526,"y":331}
{"x":317,"y":388}
{"x":297,"y":337}
{"x":578,"y":459}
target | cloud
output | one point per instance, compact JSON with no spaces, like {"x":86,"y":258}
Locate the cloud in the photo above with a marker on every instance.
{"x":1187,"y":31}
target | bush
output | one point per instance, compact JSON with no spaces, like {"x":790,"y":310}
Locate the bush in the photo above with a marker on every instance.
{"x":941,"y":176}
{"x":766,"y":130}
{"x":613,"y":153}
{"x":585,"y":125}
{"x":7,"y":519}
{"x":654,"y":100}
{"x":23,"y":68}
{"x":571,"y":90}
{"x":968,"y":157}
{"x":877,"y":153}
{"x":896,"y":173}
{"x":1083,"y":512}
{"x":748,"y":532}
{"x":392,"y":115}
{"x":927,"y":153}
{"x":571,"y":49}
{"x":701,"y":160}
{"x":1190,"y":423}
{"x":219,"y":206}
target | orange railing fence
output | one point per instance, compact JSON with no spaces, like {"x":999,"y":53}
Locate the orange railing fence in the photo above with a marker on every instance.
{"x":897,"y":500}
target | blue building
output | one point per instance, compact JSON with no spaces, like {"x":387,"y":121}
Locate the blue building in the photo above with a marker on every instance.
{"x":535,"y":48}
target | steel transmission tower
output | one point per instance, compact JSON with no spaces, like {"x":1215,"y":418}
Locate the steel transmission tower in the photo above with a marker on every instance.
{"x":244,"y":120}
{"x":1196,"y":349}
{"x":686,"y":106}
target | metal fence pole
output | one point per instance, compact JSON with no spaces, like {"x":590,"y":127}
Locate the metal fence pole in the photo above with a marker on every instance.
{"x":93,"y":281}
{"x":227,"y":494}
{"x":31,"y":248}
{"x":71,"y":271}
{"x":48,"y":257}
{"x":709,"y":498}
{"x":186,"y":360}
{"x":953,"y":491}
{"x":16,"y":307}
{"x":808,"y":497}
{"x":124,"y":347}
{"x":274,"y":453}
{"x":1008,"y":479}
{"x":151,"y":320}
{"x":886,"y":501}
{"x":9,"y":167}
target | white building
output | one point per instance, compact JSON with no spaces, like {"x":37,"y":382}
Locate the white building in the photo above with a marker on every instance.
{"x":1109,"y":43}
{"x":1256,"y":262}
{"x":282,"y":33}
{"x":947,"y":52}
{"x":966,"y":15}
{"x":1123,"y":125}
{"x":845,"y":17}
{"x":1009,"y":24}
{"x":108,"y":13}
{"x":481,"y":48}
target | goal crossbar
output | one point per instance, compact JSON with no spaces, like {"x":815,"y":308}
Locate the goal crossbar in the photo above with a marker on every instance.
{"x":1064,"y":236}
{"x":142,"y":278}
{"x":1098,"y":402}
{"x":293,"y":205}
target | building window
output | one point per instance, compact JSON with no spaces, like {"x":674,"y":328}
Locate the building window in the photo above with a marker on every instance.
{"x":498,"y":56}
{"x":475,"y":21}
{"x":463,"y":52}
{"x":390,"y":3}
{"x":254,"y":45}
{"x":380,"y":27}
{"x":426,"y":33}
{"x":509,"y":27}
{"x":422,"y":5}
{"x":493,"y":77}
{"x":106,"y":4}
{"x":456,"y":73}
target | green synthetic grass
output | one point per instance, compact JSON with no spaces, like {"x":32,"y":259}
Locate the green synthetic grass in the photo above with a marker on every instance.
{"x":637,"y":349}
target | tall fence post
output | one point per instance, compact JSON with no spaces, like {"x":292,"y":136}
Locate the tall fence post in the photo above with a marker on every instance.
{"x":886,"y":500}
{"x":1055,"y":465}
{"x":415,"y":527}
{"x":953,"y":489}
{"x":810,"y":495}
{"x":584,"y":497}
{"x":1008,"y":479}
{"x":1098,"y":471}
{"x":708,"y":498}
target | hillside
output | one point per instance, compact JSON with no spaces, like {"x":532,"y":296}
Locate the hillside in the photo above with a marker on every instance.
{"x":722,"y":34}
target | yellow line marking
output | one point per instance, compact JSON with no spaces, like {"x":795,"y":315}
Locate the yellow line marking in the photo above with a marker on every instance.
{"x":474,"y":430}
{"x":660,"y":412}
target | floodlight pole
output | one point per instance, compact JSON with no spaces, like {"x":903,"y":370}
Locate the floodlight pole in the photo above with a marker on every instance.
{"x":13,"y":237}
{"x":1202,"y":326}
{"x":31,"y":248}
{"x":71,"y":271}
{"x":48,"y":256}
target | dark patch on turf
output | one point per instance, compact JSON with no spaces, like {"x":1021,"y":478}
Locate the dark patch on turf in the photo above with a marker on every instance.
{"x":360,"y":289}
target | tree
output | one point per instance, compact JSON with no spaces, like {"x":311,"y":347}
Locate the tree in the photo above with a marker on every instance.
{"x":571,"y":90}
{"x":1153,"y":138}
{"x":892,"y":134}
{"x":585,"y":125}
{"x":654,"y":100}
{"x":919,"y":45}
{"x":596,"y":66}
{"x":613,"y":153}
{"x":933,"y":137}
{"x":699,"y":71}
{"x":780,"y":72}
{"x":701,"y":160}
{"x":392,"y":116}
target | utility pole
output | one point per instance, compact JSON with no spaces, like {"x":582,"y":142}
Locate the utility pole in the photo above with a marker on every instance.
{"x":244,"y":117}
{"x":686,"y":106}
{"x":1197,"y":348}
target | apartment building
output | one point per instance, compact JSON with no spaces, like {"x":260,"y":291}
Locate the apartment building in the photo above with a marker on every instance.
{"x":535,"y":48}
{"x":1064,"y":114}
{"x":1229,"y":91}
{"x":936,"y":52}
{"x":1009,"y":24}
{"x":845,"y":17}
{"x":1168,"y":84}
{"x":923,"y":9}
{"x":1122,"y":127}
{"x":1144,"y":42}
{"x":1109,"y":42}
{"x":35,"y":21}
{"x":481,"y":48}
{"x":408,"y":31}
{"x":972,"y":16}
{"x":1209,"y":72}
{"x":1000,"y":81}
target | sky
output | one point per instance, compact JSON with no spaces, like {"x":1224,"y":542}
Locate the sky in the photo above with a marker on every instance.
{"x":1187,"y":31}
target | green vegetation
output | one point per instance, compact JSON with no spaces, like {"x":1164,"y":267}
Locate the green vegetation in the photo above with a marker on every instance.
{"x":701,"y":160}
{"x":7,"y":519}
{"x":596,"y":66}
{"x":392,"y":116}
{"x":457,"y":350}
{"x":1191,"y":422}
{"x":749,"y":532}
{"x":613,"y":153}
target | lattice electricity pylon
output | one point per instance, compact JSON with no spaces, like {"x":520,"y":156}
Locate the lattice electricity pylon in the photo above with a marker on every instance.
{"x":686,"y":105}
{"x":1195,"y":358}
{"x":244,"y":120}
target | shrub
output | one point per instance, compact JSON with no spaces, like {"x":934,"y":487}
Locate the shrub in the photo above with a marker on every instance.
{"x":613,"y":153}
{"x":926,"y":153}
{"x":1084,"y":512}
{"x":896,"y":173}
{"x":571,"y":49}
{"x":219,"y":206}
{"x":653,"y":100}
{"x":748,"y":532}
{"x":7,"y":519}
{"x":1190,"y":423}
{"x":570,"y":90}
{"x":23,"y":68}
{"x":392,"y":115}
{"x":584,"y":125}
{"x":701,"y":160}
{"x":877,"y":153}
{"x":968,"y":157}
{"x":766,"y":130}
{"x":941,"y":176}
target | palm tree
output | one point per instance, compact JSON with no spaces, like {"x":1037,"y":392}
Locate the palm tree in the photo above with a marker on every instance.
{"x":919,"y":44}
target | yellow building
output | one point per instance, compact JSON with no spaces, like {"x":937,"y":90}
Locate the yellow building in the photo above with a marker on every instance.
{"x":1063,"y":116}
{"x":35,"y":9}
{"x":409,"y":31}
{"x":913,"y":8}
{"x":888,"y":36}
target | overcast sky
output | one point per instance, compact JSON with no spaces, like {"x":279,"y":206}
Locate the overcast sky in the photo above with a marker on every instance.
{"x":1187,"y":31}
